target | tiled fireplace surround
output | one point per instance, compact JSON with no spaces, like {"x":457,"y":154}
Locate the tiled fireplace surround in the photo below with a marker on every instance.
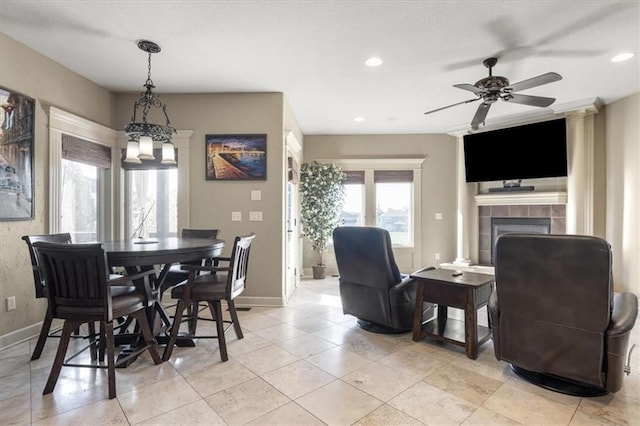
{"x":555,"y":212}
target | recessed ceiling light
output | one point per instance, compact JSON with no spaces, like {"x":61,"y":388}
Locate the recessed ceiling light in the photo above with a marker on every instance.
{"x":358,"y":119}
{"x":622,"y":57}
{"x":373,"y":62}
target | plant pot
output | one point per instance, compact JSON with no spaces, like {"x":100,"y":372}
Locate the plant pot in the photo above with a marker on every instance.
{"x":318,"y":271}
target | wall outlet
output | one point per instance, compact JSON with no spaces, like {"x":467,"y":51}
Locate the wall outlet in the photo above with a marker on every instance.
{"x":255,"y":216}
{"x":11,"y":303}
{"x":256,"y":195}
{"x":236,"y":216}
{"x":436,"y":256}
{"x":438,"y":216}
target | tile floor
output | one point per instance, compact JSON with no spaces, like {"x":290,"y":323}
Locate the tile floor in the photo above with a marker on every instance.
{"x":306,"y":364}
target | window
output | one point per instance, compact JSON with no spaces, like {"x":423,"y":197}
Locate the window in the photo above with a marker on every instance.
{"x":153,"y":206}
{"x":80,"y":195}
{"x":353,"y":209}
{"x":84,"y":167}
{"x":152,"y":199}
{"x":385,"y":194}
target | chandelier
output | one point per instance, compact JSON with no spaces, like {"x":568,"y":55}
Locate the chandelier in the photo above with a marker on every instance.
{"x":141,"y":133}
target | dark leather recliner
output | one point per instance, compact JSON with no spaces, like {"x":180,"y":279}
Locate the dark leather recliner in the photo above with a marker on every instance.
{"x":555,"y":316}
{"x":371,"y":285}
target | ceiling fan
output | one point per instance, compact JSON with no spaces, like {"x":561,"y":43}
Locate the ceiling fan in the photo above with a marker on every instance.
{"x":494,"y":87}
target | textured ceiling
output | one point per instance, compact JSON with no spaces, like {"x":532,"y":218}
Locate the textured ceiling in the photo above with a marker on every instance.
{"x":313,"y":51}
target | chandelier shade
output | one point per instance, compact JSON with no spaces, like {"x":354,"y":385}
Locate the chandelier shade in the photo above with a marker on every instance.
{"x":140,"y":132}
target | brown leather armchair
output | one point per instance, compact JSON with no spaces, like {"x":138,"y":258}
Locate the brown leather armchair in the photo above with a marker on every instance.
{"x":554,"y":315}
{"x":371,"y":285}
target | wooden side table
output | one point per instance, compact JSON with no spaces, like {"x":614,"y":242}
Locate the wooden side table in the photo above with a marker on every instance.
{"x":469,"y":291}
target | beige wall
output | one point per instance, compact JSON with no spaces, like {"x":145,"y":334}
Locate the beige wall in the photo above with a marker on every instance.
{"x":28,"y":72}
{"x":623,"y":190}
{"x":438,"y":180}
{"x":213,"y":201}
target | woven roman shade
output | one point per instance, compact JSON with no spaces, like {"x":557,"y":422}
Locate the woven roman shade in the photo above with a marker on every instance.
{"x":393,"y":176}
{"x":85,"y":152}
{"x":354,"y":177}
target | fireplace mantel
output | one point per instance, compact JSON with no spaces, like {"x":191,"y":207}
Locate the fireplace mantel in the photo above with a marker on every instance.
{"x":520,"y":198}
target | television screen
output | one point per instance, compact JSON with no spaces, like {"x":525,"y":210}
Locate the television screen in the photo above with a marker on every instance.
{"x":531,"y":151}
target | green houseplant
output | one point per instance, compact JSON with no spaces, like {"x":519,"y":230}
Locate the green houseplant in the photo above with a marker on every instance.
{"x":322,"y":190}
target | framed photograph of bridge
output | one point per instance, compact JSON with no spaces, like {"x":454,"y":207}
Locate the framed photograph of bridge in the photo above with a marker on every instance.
{"x":16,"y":156}
{"x":236,"y":157}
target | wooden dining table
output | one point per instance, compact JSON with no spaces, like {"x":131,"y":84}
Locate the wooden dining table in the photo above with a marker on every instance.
{"x":159,"y":253}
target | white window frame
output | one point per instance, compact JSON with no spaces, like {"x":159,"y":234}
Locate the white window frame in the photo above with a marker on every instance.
{"x":181,"y":141}
{"x":408,"y":256}
{"x":62,"y":122}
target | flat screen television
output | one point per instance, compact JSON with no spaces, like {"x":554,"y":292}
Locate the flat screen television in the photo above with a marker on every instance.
{"x":531,"y":151}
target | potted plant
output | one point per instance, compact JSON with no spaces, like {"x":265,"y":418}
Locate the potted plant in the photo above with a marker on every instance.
{"x":322,"y":190}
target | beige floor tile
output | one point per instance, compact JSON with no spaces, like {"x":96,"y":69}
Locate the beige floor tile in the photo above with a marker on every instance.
{"x":196,"y":413}
{"x":15,"y":364}
{"x":220,"y":376}
{"x":412,"y":362}
{"x":247,"y":401}
{"x":370,"y":345}
{"x":289,"y":415}
{"x":631,"y":385}
{"x":258,"y":322}
{"x":311,"y":323}
{"x":249,"y":343}
{"x":380,"y":381}
{"x":338,"y":361}
{"x":306,"y":345}
{"x":385,"y":416}
{"x":280,"y":333}
{"x":338,"y":403}
{"x":526,"y":386}
{"x":142,"y":373}
{"x":484,"y":417}
{"x":528,"y":408}
{"x":487,"y":365}
{"x":15,"y":385}
{"x":297,"y":379}
{"x":463,"y":383}
{"x":337,"y":334}
{"x":16,"y":410}
{"x":156,"y":399}
{"x":581,"y":418}
{"x":266,"y":359}
{"x":285,"y":315}
{"x":615,"y":408}
{"x":431,"y":405}
{"x":17,"y":350}
{"x":105,"y":412}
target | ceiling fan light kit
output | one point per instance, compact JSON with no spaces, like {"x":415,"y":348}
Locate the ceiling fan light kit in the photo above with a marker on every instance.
{"x":494,"y":87}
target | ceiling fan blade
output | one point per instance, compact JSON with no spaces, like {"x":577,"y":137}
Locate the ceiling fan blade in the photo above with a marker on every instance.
{"x":481,"y":114}
{"x":469,"y":87}
{"x":449,"y":106}
{"x":538,"y":101}
{"x":539,"y":80}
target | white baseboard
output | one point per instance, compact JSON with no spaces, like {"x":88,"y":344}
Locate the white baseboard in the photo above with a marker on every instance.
{"x":254,"y":301}
{"x":18,"y":336}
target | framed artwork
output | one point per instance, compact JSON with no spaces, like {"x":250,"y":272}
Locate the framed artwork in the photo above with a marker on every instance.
{"x":16,"y":156}
{"x":236,"y":157}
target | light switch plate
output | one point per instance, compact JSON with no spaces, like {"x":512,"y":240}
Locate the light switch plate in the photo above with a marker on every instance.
{"x":236,"y":216}
{"x":256,"y":195}
{"x":255,"y":216}
{"x":438,"y":216}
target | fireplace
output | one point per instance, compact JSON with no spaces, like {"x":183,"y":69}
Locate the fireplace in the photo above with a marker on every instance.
{"x":528,"y":225}
{"x":529,"y":218}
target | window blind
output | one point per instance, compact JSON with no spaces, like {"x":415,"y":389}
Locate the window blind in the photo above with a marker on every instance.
{"x":85,"y":152}
{"x":393,"y":176}
{"x":354,"y":177}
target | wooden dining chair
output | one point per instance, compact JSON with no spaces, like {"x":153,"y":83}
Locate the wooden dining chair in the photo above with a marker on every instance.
{"x":78,"y":290}
{"x":176,"y":274}
{"x":223,"y":283}
{"x":41,"y":292}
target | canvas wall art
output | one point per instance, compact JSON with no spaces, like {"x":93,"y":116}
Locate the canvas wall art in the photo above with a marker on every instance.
{"x":236,"y":157}
{"x":16,"y":156}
